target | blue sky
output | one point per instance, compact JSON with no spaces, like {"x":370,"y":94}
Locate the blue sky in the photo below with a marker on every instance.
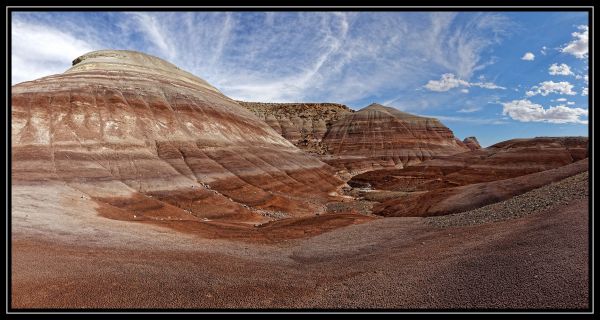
{"x":493,"y":75}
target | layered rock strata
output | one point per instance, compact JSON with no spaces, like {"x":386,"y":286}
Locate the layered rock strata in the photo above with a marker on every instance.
{"x":375,"y":137}
{"x":504,"y":160}
{"x":379,"y":137}
{"x":473,"y":179}
{"x":463,"y":198}
{"x":151,"y":141}
{"x":303,"y":124}
{"x":472,"y":143}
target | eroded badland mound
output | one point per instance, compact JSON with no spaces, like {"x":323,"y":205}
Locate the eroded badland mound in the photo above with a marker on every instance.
{"x":378,"y":137}
{"x":138,"y":185}
{"x":149,"y":141}
{"x":473,"y":179}
{"x":372,"y":138}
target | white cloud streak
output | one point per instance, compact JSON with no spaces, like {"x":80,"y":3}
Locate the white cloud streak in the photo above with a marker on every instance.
{"x":560,"y":70}
{"x":579,"y":45}
{"x":467,"y":119}
{"x":449,"y":81}
{"x":39,"y":51}
{"x":469,"y":109}
{"x":527,"y":111}
{"x":487,"y":85}
{"x":528,"y":56}
{"x":547,"y":87}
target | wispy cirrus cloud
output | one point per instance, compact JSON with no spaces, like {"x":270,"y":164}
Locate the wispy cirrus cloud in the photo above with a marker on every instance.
{"x":457,"y":45}
{"x":280,"y":56}
{"x":150,"y":26}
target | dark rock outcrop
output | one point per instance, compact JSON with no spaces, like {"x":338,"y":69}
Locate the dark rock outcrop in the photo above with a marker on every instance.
{"x":472,"y":143}
{"x":372,"y":138}
{"x":303,"y":124}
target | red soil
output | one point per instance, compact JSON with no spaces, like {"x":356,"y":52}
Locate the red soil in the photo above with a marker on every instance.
{"x":539,"y":261}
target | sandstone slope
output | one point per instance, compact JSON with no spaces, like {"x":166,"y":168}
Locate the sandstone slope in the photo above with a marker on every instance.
{"x":504,"y":160}
{"x":146,"y":140}
{"x":473,"y":179}
{"x":451,"y":200}
{"x":379,"y":137}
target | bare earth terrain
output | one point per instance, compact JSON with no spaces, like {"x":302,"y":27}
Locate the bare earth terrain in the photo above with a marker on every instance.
{"x":537,"y":261}
{"x":136,"y":184}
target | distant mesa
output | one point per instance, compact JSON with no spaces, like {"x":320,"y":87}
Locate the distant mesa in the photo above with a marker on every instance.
{"x":374,"y":137}
{"x":378,"y":137}
{"x":303,"y":124}
{"x":472,"y":143}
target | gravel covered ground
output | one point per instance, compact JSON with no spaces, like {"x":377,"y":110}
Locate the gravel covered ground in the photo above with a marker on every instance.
{"x":357,"y":207}
{"x":534,"y":201}
{"x":538,"y":261}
